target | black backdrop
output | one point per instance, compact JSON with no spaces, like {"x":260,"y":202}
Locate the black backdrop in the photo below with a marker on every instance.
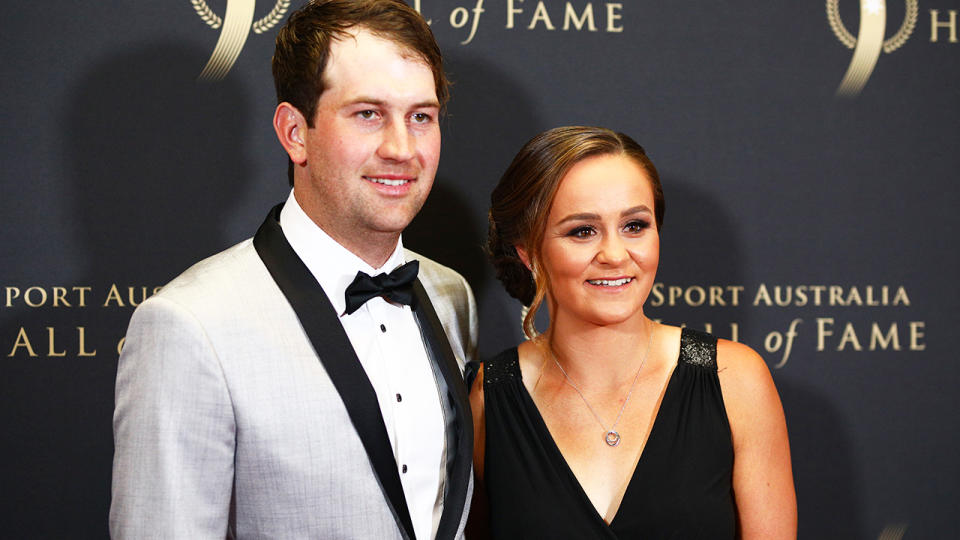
{"x":120,"y":169}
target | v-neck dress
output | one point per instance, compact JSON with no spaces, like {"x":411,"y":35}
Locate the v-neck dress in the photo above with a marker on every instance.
{"x":681,"y":487}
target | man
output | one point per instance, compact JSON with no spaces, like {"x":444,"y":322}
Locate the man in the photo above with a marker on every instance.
{"x":265,"y":392}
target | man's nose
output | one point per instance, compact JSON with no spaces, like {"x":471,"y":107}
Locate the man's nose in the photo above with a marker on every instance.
{"x":398,"y":143}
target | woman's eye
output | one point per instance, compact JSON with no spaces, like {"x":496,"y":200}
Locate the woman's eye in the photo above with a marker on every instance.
{"x":582,"y":232}
{"x":636,"y":226}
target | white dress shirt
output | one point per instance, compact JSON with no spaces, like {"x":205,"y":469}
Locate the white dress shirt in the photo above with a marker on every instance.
{"x":387,"y":341}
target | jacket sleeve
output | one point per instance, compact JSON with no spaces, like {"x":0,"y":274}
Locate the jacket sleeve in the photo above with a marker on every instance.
{"x":173,"y":428}
{"x":468,"y":321}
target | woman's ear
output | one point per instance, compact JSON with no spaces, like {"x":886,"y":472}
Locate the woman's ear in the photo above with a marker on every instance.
{"x":522,"y":253}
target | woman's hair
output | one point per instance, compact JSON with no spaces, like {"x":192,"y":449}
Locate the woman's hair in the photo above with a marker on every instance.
{"x":521,"y":202}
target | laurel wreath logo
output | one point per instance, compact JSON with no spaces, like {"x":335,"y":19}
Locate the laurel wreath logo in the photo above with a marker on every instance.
{"x":893,"y":532}
{"x":260,"y":26}
{"x":890,"y":45}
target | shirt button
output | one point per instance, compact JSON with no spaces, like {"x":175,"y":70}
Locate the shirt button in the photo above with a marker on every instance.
{"x":383,"y":328}
{"x":399,"y":398}
{"x":403,"y":469}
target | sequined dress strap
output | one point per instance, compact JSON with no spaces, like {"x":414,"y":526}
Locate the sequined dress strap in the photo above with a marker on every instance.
{"x":698,"y":349}
{"x":503,"y":368}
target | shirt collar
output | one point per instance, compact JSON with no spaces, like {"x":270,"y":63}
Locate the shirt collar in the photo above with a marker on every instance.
{"x":333,"y":265}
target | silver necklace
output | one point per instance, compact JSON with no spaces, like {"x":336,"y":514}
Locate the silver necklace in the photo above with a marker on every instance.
{"x":610,"y":436}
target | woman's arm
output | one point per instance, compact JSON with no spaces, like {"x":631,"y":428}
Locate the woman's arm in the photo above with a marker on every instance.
{"x":762,"y":474}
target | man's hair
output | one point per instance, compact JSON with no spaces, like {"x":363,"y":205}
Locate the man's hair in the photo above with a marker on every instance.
{"x":521,"y":201}
{"x":303,"y":46}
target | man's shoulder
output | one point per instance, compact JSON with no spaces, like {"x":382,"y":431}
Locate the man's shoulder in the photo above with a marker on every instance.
{"x":223,"y":274}
{"x":435,"y":273}
{"x":443,"y":283}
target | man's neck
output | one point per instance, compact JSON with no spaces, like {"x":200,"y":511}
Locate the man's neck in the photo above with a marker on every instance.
{"x":372,"y":247}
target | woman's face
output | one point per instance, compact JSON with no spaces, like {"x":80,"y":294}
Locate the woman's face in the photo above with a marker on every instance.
{"x":601,"y":246}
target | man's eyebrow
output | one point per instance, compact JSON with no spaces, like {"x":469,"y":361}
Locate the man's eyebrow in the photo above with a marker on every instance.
{"x":380,"y":102}
{"x":364,"y":99}
{"x":427,"y":104}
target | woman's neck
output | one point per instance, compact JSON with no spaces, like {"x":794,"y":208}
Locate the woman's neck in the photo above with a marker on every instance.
{"x":596,"y":355}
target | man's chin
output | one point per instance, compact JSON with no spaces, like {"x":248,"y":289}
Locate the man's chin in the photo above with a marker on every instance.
{"x":395,"y":217}
{"x":386,"y":224}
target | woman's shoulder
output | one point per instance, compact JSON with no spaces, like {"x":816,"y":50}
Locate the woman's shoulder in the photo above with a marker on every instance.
{"x":703,"y":348}
{"x":531,"y":357}
{"x":500,"y":367}
{"x":738,"y":359}
{"x":749,"y":394}
{"x":685,"y":345}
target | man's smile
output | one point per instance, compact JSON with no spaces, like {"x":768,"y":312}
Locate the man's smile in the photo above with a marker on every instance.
{"x":388,"y":181}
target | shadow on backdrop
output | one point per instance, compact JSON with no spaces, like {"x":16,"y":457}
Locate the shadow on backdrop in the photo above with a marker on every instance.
{"x":823,"y":466}
{"x":700,"y":245}
{"x":488,"y":119}
{"x":154,"y":163}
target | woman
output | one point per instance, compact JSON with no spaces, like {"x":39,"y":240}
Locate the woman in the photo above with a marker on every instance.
{"x":611,"y":425}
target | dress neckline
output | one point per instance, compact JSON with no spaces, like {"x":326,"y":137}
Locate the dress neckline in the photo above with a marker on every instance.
{"x":543,"y":433}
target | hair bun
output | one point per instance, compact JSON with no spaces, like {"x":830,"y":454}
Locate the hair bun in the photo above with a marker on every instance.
{"x":510,"y":270}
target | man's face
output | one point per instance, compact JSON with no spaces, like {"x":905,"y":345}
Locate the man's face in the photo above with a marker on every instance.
{"x":373,"y":150}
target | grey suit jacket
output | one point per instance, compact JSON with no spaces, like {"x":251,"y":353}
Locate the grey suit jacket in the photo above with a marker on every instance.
{"x":228,"y":423}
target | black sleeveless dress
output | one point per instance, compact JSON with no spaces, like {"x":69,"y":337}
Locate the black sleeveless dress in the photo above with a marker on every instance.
{"x":680,"y":489}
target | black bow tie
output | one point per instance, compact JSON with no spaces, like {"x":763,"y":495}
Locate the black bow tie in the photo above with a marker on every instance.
{"x":396,"y":286}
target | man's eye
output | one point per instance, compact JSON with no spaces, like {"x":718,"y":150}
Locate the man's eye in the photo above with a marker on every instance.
{"x":367,"y":114}
{"x":420,"y":118}
{"x":581,"y":232}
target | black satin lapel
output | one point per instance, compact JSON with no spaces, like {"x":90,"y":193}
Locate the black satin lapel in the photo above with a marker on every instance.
{"x":333,"y":348}
{"x":458,"y":472}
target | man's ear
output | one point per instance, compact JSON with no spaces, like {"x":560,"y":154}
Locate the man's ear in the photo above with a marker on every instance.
{"x":522,"y":253}
{"x":291,"y":128}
